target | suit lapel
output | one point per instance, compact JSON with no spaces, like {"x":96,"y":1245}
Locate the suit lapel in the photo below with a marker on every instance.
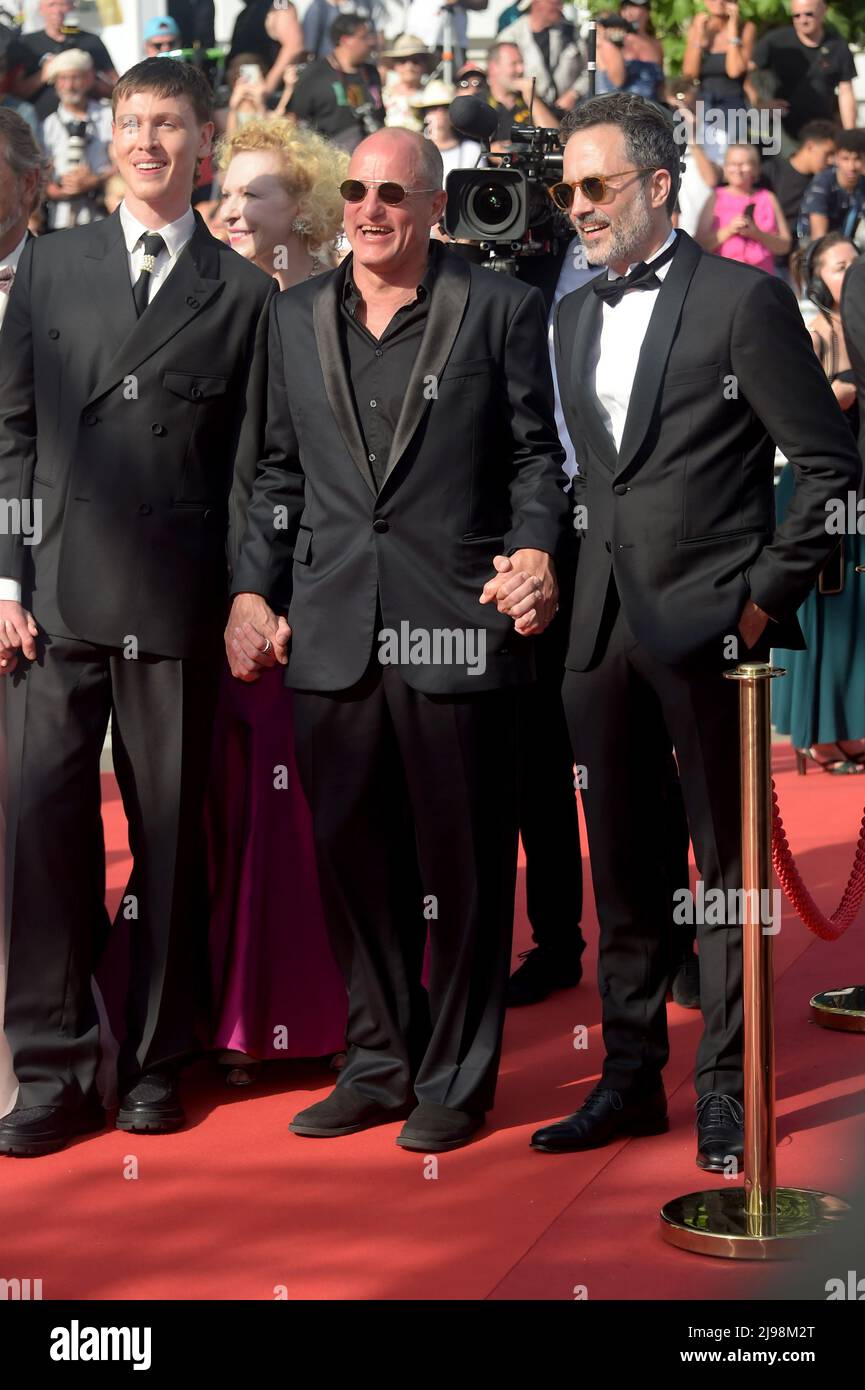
{"x":192,"y":283}
{"x":447,"y":305}
{"x":656,"y":348}
{"x":325,"y":318}
{"x":583,"y":355}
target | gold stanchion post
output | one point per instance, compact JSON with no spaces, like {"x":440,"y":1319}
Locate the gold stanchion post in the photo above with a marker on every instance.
{"x":760,"y":1220}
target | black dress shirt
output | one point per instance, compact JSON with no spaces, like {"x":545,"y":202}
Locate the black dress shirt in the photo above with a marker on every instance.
{"x":379,"y":368}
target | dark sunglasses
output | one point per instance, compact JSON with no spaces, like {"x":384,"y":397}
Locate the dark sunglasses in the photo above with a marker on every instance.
{"x":353,"y":191}
{"x":166,"y":44}
{"x":595,"y":188}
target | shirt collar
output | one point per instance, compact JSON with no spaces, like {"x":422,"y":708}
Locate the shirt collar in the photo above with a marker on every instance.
{"x":351,"y":295}
{"x":174,"y":234}
{"x":662,"y":270}
{"x":14,"y":255}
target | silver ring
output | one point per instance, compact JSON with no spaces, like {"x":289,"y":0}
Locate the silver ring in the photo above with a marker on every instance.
{"x":266,"y":646}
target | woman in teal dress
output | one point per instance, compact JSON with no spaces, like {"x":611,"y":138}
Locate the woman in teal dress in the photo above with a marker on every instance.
{"x":820,"y":703}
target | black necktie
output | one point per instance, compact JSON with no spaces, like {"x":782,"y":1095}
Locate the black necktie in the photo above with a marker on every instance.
{"x":153,"y":244}
{"x":641,"y":277}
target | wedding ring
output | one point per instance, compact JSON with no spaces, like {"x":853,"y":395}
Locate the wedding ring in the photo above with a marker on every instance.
{"x":266,"y":646}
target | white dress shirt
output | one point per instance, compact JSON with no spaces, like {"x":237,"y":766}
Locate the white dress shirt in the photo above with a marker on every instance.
{"x":573,"y":273}
{"x":10,"y":262}
{"x":623,"y":328}
{"x":175,"y":235}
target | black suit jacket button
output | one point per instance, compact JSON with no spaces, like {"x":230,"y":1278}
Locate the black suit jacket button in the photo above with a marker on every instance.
{"x":192,"y":301}
{"x":620,"y":489}
{"x":608,"y":547}
{"x":195,"y":393}
{"x":156,"y":428}
{"x":145,"y":509}
{"x":54,"y":333}
{"x":91,"y":419}
{"x":380,"y":525}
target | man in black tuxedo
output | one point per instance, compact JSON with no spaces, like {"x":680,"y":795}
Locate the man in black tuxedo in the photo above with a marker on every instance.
{"x":409,"y":458}
{"x":132,"y":370}
{"x":676,"y":384}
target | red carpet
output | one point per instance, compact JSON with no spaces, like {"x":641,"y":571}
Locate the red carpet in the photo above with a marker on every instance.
{"x":236,"y":1208}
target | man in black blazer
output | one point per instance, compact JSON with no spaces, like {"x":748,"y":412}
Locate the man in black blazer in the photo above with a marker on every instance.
{"x":676,"y":382}
{"x":132,"y":370}
{"x":404,"y":517}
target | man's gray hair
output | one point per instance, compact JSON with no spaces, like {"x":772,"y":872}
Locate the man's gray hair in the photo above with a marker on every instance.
{"x":18,"y":146}
{"x":650,"y":139}
{"x":431,"y":165}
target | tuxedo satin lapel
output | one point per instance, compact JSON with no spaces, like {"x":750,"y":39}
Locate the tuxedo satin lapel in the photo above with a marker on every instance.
{"x":447,"y":305}
{"x":656,"y":348}
{"x":587,"y":407}
{"x":325,"y":319}
{"x":192,"y":283}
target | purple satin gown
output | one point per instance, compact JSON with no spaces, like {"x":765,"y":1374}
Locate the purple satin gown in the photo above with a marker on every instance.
{"x":276,"y":989}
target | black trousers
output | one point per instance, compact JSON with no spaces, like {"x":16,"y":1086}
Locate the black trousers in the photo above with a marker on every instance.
{"x":625,"y":715}
{"x":549,"y":824}
{"x":58,"y":711}
{"x":414,"y":807}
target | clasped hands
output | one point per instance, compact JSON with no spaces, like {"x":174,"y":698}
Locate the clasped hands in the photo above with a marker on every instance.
{"x":255,"y":638}
{"x":524,"y":587}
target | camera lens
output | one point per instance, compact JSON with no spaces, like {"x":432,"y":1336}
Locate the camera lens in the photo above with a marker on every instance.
{"x":491,"y":206}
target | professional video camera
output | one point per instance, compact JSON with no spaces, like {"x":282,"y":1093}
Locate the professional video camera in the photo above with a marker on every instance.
{"x":505,"y":212}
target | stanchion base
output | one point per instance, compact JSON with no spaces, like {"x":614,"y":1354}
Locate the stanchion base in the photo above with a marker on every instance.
{"x":716,"y":1223}
{"x":843,"y":1009}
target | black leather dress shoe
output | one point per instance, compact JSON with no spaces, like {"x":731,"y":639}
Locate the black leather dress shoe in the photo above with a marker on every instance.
{"x":152,"y":1105}
{"x":344,"y":1111}
{"x":433,"y":1129}
{"x":685,"y":984}
{"x":605,"y":1115}
{"x":720,"y":1133}
{"x":543,"y":971}
{"x":30,"y":1131}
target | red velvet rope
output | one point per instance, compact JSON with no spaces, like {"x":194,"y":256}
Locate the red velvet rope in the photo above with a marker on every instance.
{"x":828,"y":928}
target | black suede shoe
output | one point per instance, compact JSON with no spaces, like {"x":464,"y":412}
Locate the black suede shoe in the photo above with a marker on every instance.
{"x":543,"y":971}
{"x":151,"y":1105}
{"x":344,"y":1111}
{"x":720,"y":1133}
{"x":30,"y":1131}
{"x":604,"y":1115}
{"x":433,"y":1129}
{"x":685,"y":984}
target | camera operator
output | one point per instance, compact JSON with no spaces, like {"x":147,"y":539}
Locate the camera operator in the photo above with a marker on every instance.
{"x":76,"y":137}
{"x":340,"y":95}
{"x":510,"y":92}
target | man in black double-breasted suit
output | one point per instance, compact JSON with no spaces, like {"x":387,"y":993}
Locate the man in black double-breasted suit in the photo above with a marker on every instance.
{"x":411,"y":469}
{"x":132,"y":371}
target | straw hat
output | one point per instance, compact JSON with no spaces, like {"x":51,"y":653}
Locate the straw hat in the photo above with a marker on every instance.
{"x":435,"y":93}
{"x":407,"y":46}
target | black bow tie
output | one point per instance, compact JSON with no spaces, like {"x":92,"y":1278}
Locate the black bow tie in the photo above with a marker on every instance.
{"x":641,"y":277}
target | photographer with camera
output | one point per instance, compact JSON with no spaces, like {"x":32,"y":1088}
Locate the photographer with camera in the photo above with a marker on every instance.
{"x":340,"y":95}
{"x":76,"y":137}
{"x":629,"y":57}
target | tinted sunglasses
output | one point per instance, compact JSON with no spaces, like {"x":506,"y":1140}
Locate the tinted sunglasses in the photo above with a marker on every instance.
{"x":353,"y":191}
{"x":595,"y":188}
{"x":472,"y":82}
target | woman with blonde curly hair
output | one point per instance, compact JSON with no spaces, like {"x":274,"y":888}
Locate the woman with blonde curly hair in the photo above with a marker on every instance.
{"x":281,"y":203}
{"x":277,"y":993}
